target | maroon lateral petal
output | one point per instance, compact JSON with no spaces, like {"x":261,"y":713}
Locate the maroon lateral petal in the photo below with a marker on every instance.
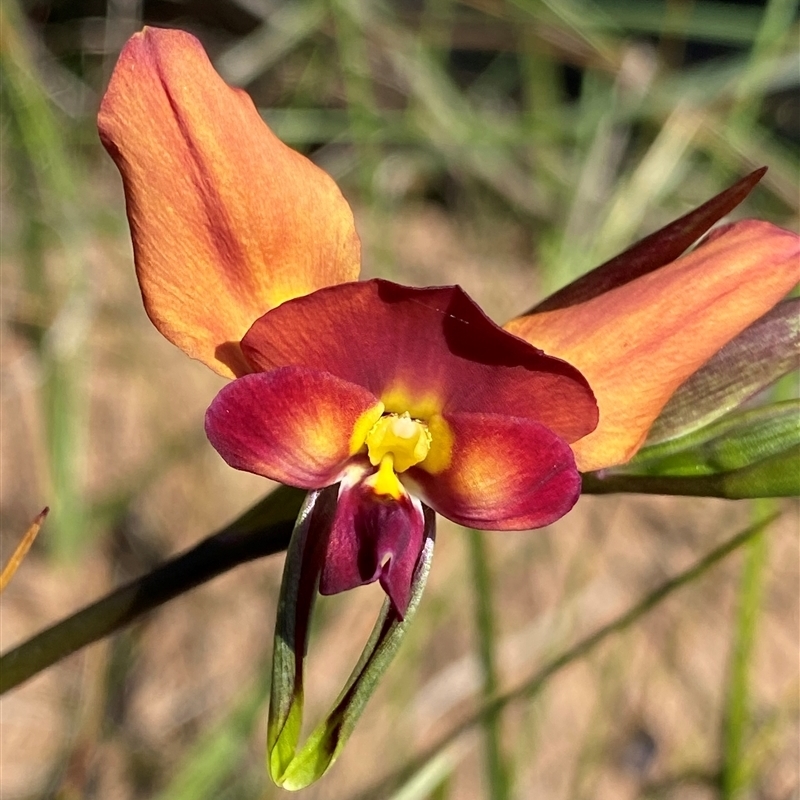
{"x":373,"y":538}
{"x":431,"y":347}
{"x":293,"y":425}
{"x":654,"y":251}
{"x":506,"y":474}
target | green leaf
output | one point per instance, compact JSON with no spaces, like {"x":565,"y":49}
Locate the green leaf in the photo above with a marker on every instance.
{"x":762,"y":353}
{"x":263,"y":530}
{"x":289,"y":767}
{"x":778,"y":476}
{"x":736,"y":441}
{"x":754,"y":453}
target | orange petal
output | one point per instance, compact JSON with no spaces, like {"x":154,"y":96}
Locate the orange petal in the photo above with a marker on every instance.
{"x":227,"y":221}
{"x":637,"y":343}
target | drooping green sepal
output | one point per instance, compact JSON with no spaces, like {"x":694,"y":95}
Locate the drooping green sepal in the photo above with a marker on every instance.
{"x":290,"y":767}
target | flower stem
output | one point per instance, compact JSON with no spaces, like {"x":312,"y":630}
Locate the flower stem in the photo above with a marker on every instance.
{"x":263,"y":530}
{"x":497,"y":771}
{"x":735,"y":768}
{"x":59,"y":337}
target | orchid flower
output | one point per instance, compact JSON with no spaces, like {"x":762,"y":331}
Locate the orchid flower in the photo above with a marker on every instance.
{"x":386,"y":400}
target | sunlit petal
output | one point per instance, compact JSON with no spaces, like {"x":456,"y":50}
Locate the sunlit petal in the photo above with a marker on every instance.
{"x":636,"y":344}
{"x":506,"y":474}
{"x":423,"y":351}
{"x":227,"y":221}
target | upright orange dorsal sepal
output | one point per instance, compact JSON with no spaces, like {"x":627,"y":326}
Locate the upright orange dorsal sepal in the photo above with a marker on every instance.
{"x":227,"y":222}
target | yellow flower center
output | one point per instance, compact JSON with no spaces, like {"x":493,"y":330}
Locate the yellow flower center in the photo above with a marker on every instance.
{"x":395,"y":442}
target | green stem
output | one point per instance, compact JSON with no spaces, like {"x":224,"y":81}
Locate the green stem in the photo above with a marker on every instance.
{"x":262,"y":531}
{"x":352,"y":41}
{"x":538,"y":679}
{"x":775,"y":30}
{"x":484,"y":624}
{"x":734,"y":772}
{"x":775,"y":476}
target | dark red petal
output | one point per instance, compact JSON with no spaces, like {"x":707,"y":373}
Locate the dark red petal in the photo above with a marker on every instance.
{"x":505,"y":474}
{"x":424,"y":351}
{"x":373,"y":538}
{"x":654,"y":251}
{"x":293,"y":425}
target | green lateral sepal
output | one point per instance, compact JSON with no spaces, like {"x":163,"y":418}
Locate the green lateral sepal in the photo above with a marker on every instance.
{"x":290,"y":766}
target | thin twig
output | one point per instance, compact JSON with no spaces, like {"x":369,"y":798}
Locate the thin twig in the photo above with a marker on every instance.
{"x":496,"y":768}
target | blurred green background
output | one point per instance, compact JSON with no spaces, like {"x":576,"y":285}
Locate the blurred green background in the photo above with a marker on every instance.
{"x":505,"y":146}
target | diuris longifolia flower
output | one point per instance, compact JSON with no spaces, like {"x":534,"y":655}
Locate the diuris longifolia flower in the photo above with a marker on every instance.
{"x":431,"y":401}
{"x":398,"y":399}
